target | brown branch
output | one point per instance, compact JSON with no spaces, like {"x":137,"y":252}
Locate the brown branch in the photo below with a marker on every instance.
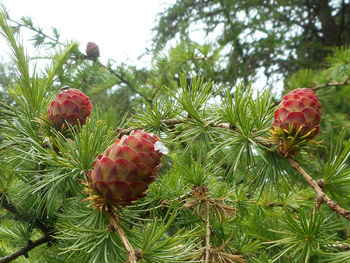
{"x":272,"y":204}
{"x":331,"y":84}
{"x":116,"y":74}
{"x":123,"y":80}
{"x":121,"y":132}
{"x":179,"y":199}
{"x":4,"y":147}
{"x":124,"y":239}
{"x":173,"y":122}
{"x":24,"y":251}
{"x":207,"y":229}
{"x":318,"y":200}
{"x":169,"y":122}
{"x":9,"y":206}
{"x":319,"y":192}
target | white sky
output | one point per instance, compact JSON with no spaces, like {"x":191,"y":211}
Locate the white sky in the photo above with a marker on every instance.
{"x":121,"y":28}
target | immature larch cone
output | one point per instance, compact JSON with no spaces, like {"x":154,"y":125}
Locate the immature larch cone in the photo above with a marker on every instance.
{"x":123,"y":173}
{"x":92,"y":50}
{"x":71,"y":106}
{"x":297,"y":118}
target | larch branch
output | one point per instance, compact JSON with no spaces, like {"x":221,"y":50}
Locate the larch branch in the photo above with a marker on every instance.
{"x":124,"y":239}
{"x":331,"y":84}
{"x":9,"y":206}
{"x":319,"y":192}
{"x":24,"y":251}
{"x":207,"y":230}
{"x":38,"y":31}
{"x":169,"y":122}
{"x":4,"y":147}
{"x":123,"y":80}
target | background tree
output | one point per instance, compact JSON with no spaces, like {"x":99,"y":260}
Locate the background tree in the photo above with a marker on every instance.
{"x":277,"y":38}
{"x":7,"y":77}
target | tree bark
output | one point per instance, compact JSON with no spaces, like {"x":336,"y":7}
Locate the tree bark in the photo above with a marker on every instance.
{"x":24,"y":251}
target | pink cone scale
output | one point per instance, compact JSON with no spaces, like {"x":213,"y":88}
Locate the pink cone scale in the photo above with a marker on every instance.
{"x":299,"y":111}
{"x":71,"y":106}
{"x":123,"y":173}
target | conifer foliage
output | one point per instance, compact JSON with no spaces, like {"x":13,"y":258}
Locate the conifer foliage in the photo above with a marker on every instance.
{"x":197,"y":172}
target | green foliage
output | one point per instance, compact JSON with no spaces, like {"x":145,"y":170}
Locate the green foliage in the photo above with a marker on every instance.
{"x":223,"y":182}
{"x":306,"y":236}
{"x":84,"y":237}
{"x":276,"y":38}
{"x":156,"y":246}
{"x":187,"y":58}
{"x":336,"y":172}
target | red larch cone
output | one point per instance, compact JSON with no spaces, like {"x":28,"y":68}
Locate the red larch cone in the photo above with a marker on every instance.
{"x":123,"y":173}
{"x":92,"y":50}
{"x":297,"y":119}
{"x":71,"y":106}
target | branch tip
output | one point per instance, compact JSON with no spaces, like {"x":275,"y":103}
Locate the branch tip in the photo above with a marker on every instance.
{"x":321,"y":197}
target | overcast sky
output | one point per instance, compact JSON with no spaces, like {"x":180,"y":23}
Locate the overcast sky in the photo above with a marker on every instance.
{"x":121,"y":28}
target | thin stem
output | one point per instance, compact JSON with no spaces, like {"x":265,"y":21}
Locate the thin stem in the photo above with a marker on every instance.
{"x":124,"y":239}
{"x":331,"y":84}
{"x":169,"y":122}
{"x":24,"y":251}
{"x":318,"y":203}
{"x":40,"y":32}
{"x":123,"y":80}
{"x":318,"y":200}
{"x":319,"y":192}
{"x":6,"y":146}
{"x":272,"y":204}
{"x":207,"y":228}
